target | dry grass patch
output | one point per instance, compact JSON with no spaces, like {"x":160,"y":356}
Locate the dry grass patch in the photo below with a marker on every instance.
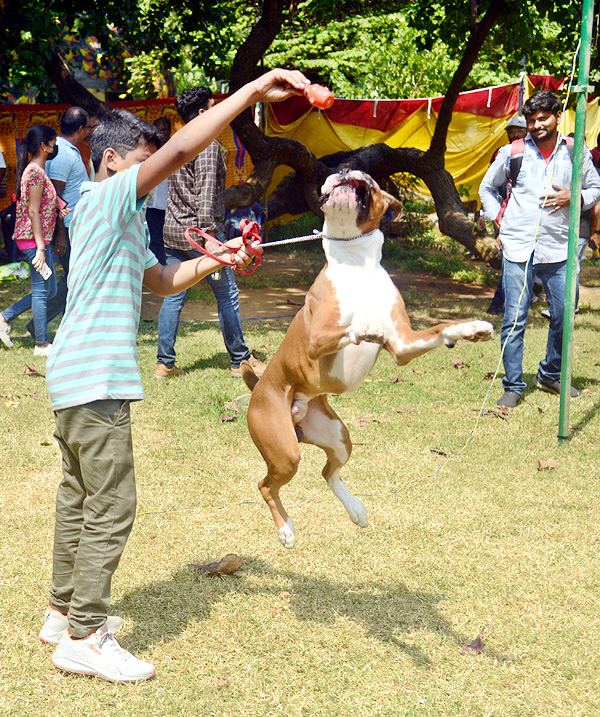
{"x":350,"y":622}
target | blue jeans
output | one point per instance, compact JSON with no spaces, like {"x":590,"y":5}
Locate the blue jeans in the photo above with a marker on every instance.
{"x":155,"y":219}
{"x":553,"y":277}
{"x":56,"y":304}
{"x":228,"y":306}
{"x":37,"y":301}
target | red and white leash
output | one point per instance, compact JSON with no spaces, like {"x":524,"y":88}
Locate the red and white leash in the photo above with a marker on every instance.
{"x":250,"y":234}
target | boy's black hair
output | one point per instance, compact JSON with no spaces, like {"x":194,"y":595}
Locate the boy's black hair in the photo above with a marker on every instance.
{"x":189,"y":102}
{"x":121,"y":131}
{"x":73,"y":119}
{"x":543,"y":101}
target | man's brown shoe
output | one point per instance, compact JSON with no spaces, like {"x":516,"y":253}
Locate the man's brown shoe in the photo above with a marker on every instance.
{"x":257,"y":366}
{"x":164,"y":372}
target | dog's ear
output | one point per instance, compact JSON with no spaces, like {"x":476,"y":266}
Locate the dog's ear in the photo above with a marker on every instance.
{"x":394,"y":204}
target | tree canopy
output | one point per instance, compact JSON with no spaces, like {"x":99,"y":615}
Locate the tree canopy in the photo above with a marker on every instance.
{"x":360,"y":48}
{"x":368,"y":48}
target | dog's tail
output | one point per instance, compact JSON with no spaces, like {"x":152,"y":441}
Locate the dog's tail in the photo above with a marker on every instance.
{"x":250,"y":378}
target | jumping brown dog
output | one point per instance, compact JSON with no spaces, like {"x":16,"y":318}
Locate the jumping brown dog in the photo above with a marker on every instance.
{"x":352,"y":311}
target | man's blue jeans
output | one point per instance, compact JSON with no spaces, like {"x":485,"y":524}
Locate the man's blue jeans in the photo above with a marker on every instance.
{"x":228,"y":306}
{"x":37,"y":301}
{"x":553,"y":277}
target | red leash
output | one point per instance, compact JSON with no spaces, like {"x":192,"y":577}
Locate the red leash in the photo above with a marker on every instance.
{"x":250,"y":233}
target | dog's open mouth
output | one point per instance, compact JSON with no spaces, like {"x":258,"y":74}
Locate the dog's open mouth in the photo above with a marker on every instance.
{"x":348,"y":189}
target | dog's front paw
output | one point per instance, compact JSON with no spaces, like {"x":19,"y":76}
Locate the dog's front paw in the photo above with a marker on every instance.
{"x":365,"y":332}
{"x":470,"y":331}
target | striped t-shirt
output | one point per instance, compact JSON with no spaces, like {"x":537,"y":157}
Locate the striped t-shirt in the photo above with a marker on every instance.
{"x":94,"y":354}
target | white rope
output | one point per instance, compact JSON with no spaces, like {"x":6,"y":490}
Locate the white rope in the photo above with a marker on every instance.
{"x":292,"y":240}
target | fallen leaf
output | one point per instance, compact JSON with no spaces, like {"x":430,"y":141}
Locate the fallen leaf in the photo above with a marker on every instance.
{"x":500,"y":412}
{"x":416,"y":370}
{"x":285,"y":595}
{"x":398,"y":380}
{"x":260,"y":356}
{"x":488,"y":375}
{"x":295,"y":303}
{"x":531,"y":447}
{"x":31,"y":371}
{"x":475,"y":647}
{"x":546,"y":465}
{"x":228,"y":417}
{"x":587,"y":390}
{"x":231,"y":564}
{"x":11,"y":404}
{"x":437,"y":404}
{"x":459,"y":364}
{"x":402,"y":409}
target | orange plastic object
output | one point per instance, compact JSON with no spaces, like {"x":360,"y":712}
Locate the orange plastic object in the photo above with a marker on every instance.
{"x":319,"y":96}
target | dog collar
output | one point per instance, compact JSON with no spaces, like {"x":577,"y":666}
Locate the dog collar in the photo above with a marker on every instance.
{"x":358,"y":236}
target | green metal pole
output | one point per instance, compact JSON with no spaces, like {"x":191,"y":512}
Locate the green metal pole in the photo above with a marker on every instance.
{"x":581,"y":89}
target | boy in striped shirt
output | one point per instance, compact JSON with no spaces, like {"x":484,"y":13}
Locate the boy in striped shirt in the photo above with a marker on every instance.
{"x":92,"y":371}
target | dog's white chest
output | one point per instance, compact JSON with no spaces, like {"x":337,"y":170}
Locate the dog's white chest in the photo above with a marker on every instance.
{"x":365,"y":296}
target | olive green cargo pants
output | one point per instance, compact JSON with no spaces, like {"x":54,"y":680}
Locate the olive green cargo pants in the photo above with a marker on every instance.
{"x":95,"y":509}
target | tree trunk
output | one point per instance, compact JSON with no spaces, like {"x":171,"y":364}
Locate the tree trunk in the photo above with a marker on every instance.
{"x":70,"y":91}
{"x":381,"y":161}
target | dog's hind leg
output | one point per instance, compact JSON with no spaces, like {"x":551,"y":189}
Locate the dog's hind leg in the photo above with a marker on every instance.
{"x":323,"y":427}
{"x":274,"y":436}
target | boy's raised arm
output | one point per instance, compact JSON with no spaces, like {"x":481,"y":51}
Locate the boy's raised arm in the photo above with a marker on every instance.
{"x":196,"y":135}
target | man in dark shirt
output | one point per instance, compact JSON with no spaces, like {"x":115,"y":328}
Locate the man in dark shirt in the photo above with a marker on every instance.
{"x":195,"y":199}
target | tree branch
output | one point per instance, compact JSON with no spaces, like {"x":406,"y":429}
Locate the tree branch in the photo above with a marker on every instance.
{"x":71,"y":91}
{"x":437,"y":148}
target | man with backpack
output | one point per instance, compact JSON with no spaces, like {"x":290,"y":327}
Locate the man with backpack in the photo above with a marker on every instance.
{"x":534,"y":233}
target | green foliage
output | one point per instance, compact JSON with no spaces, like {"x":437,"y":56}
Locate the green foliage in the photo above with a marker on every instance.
{"x":360,"y":49}
{"x":191,"y":42}
{"x":546,"y":32}
{"x":358,"y":57}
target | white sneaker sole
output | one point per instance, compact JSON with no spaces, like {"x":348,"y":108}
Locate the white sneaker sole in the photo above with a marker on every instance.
{"x":81,"y":667}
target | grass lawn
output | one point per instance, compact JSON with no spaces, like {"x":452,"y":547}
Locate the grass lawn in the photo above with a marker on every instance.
{"x":352,"y":621}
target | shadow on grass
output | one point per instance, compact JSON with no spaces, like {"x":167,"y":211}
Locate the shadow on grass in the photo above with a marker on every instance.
{"x":387,"y":611}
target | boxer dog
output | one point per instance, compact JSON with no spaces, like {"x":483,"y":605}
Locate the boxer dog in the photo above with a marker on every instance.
{"x":351,"y":312}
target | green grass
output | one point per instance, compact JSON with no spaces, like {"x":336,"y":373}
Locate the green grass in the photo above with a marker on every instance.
{"x":352,"y":621}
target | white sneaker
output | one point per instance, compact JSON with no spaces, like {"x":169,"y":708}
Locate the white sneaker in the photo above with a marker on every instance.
{"x":55,"y":622}
{"x":42,"y":351}
{"x":5,"y":334}
{"x":100,"y":655}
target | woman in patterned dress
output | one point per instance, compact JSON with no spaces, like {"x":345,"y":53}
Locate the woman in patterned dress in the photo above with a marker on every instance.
{"x":35,"y":220}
